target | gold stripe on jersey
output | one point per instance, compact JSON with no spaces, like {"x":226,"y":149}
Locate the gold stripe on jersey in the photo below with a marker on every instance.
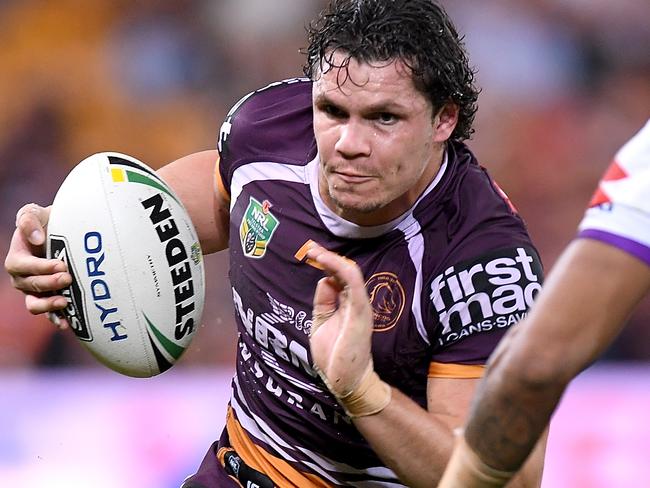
{"x":301,"y":254}
{"x":459,"y":371}
{"x":281,"y":472}
{"x":218,"y":181}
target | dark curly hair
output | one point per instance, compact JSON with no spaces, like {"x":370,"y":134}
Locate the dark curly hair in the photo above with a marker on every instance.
{"x":417,"y":32}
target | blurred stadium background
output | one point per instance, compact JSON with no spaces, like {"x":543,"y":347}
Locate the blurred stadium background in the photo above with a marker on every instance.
{"x":565,"y":83}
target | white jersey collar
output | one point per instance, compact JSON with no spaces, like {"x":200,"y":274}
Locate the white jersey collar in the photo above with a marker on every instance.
{"x":349,"y":230}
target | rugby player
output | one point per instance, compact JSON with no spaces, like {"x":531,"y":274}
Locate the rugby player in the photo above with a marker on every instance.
{"x":594,"y":286}
{"x":365,"y":157}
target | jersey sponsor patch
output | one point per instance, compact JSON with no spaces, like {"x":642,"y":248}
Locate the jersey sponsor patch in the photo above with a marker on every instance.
{"x":490,"y":292}
{"x":257,"y":228}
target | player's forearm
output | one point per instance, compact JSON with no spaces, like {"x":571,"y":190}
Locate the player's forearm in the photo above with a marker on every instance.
{"x":509,"y":416}
{"x":410,"y":440}
{"x":582,"y":307}
{"x":525,"y":378}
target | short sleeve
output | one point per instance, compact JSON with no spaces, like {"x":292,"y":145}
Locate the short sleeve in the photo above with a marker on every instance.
{"x":619,"y":212}
{"x":474,"y":302}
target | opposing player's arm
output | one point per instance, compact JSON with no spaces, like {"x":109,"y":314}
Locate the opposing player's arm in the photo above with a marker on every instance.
{"x":192,"y":177}
{"x":590,"y":292}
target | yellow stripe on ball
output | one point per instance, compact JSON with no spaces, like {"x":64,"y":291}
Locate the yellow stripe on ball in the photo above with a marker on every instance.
{"x":118,"y":175}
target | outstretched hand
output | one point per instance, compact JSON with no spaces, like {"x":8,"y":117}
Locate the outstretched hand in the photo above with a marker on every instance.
{"x":342,"y":326}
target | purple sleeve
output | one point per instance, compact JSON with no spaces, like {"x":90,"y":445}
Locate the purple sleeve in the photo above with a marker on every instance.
{"x":630,"y":246}
{"x":272,"y":124}
{"x":476,"y":301}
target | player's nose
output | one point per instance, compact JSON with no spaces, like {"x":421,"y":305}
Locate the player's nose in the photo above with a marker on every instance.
{"x":354,"y":140}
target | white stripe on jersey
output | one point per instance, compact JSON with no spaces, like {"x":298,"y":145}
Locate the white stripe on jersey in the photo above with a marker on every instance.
{"x":415,"y":242}
{"x":271,"y":361}
{"x":224,"y":132}
{"x":344,"y":228}
{"x":257,"y":428}
{"x":264,"y":171}
{"x":410,"y":227}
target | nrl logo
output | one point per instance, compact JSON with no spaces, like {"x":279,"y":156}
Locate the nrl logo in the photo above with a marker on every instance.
{"x":257,"y":228}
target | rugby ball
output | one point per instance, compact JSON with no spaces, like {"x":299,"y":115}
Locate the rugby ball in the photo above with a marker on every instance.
{"x":138,"y":279}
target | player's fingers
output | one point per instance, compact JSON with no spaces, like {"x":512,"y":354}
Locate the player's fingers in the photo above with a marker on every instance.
{"x":22,"y":265}
{"x":31,"y":221}
{"x":325,"y":296}
{"x":357,"y":321}
{"x":57,"y":320}
{"x":344,"y":270}
{"x":42,"y":304}
{"x":42,"y":283}
{"x":325,"y":299}
{"x":24,"y":259}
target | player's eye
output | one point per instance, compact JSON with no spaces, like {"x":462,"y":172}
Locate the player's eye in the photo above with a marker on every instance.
{"x":333,"y":111}
{"x":386,"y":118}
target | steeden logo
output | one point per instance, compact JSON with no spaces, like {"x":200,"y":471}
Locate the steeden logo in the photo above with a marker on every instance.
{"x":387,"y":298}
{"x":74,"y":311}
{"x":257,"y":228}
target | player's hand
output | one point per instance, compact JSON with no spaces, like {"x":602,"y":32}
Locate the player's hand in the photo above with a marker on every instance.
{"x":341,"y":332}
{"x":37,"y":277}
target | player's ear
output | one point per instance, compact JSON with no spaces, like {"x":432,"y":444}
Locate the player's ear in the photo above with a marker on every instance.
{"x":444,"y":122}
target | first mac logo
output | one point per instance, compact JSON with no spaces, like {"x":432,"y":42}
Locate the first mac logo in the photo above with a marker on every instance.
{"x":74,"y":312}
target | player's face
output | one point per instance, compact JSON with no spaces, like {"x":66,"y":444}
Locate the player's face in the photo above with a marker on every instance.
{"x":379,"y":142}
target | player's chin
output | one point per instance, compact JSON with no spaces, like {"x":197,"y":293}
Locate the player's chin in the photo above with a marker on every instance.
{"x":360,"y":203}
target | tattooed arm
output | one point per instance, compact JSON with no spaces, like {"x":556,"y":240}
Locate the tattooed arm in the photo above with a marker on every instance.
{"x":583,"y":306}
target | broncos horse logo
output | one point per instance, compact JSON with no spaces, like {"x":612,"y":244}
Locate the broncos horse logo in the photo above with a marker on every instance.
{"x":387,"y":298}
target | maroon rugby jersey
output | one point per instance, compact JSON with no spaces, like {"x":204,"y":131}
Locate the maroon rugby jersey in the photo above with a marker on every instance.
{"x":446,"y":280}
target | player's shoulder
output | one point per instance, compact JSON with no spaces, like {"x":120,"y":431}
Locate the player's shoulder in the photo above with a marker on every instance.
{"x":466,"y":177}
{"x":471,"y":178}
{"x":635,"y":153}
{"x":627,"y":179}
{"x":271,"y":122}
{"x":276,"y":97}
{"x":477,"y":214}
{"x":619,"y":211}
{"x":485,"y":271}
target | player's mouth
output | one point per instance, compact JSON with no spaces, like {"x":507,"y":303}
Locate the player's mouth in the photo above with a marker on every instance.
{"x":352,"y":178}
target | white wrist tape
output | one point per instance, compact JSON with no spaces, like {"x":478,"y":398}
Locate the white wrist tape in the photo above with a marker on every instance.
{"x":467,"y":470}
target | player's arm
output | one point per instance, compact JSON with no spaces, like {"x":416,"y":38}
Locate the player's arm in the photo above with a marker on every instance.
{"x":191,"y":177}
{"x":417,"y":443}
{"x":583,"y":306}
{"x":414,"y":442}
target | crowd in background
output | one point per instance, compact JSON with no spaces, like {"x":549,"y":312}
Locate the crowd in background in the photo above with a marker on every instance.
{"x":564,"y":84}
